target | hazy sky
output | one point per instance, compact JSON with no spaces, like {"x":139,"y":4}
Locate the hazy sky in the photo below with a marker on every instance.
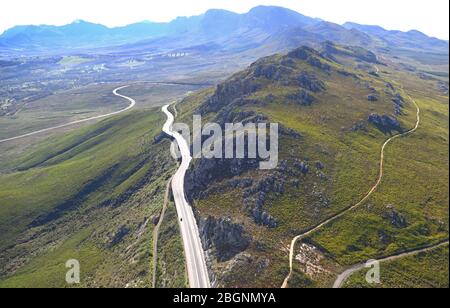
{"x":428,"y":16}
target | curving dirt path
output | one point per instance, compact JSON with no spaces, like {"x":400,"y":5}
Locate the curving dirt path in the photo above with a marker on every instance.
{"x":132,"y":104}
{"x":156,"y":231}
{"x":367,"y":196}
{"x":342,"y":278}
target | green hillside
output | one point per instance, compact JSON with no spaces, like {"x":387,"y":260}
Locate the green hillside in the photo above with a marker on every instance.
{"x":329,"y":107}
{"x":427,"y":270}
{"x":95,"y":194}
{"x":91,"y":195}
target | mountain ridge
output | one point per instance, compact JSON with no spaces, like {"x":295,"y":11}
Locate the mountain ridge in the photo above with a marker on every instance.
{"x":332,"y":111}
{"x":396,"y":38}
{"x":216,"y":25}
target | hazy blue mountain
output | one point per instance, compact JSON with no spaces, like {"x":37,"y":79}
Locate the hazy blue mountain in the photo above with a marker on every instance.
{"x":78,"y":34}
{"x":216,"y":24}
{"x":141,"y":30}
{"x":273,"y":19}
{"x":412,"y":39}
{"x":265,"y":27}
{"x":328,"y":31}
{"x":213,"y":24}
{"x":314,"y":35}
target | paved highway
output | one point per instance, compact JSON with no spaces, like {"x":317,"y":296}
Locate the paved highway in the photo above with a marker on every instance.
{"x":194,"y":253}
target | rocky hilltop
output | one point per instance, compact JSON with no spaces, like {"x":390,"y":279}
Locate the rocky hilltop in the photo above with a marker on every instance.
{"x":319,"y":98}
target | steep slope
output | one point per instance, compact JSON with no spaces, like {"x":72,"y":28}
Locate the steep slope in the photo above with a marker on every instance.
{"x":336,"y":33}
{"x":314,"y":35}
{"x":334,"y":114}
{"x":93,"y":195}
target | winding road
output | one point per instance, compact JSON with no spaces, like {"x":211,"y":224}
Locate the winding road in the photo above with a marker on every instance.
{"x":195,"y":256}
{"x":342,"y":278}
{"x":132,"y":104}
{"x":345,"y":211}
{"x":193,"y":249}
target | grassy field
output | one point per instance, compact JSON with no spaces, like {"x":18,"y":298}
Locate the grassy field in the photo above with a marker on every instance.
{"x":61,"y":108}
{"x":72,"y":61}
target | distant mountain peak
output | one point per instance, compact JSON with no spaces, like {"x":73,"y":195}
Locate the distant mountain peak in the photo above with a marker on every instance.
{"x":219,"y":11}
{"x":270,"y":27}
{"x":270,"y":8}
{"x":350,"y":25}
{"x":417,"y":33}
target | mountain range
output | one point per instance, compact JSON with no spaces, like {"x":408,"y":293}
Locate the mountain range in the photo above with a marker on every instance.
{"x":362,"y":154}
{"x":272,"y":28}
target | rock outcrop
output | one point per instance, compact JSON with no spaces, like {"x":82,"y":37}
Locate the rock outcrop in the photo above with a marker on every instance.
{"x":385,"y":123}
{"x":315,"y":62}
{"x":396,"y":219}
{"x":320,"y":165}
{"x":443,"y":87}
{"x":223,"y":238}
{"x":372,"y":98}
{"x":308,"y":81}
{"x":330,"y":50}
{"x":302,"y":98}
{"x":160,"y":137}
{"x":360,"y":126}
{"x":399,"y":103}
{"x":119,"y":236}
{"x":286,"y":131}
{"x":255,"y":199}
{"x":303,"y":167}
{"x":303,"y":53}
{"x":272,"y":71}
{"x":390,"y":86}
{"x":234,"y":88}
{"x":206,"y":171}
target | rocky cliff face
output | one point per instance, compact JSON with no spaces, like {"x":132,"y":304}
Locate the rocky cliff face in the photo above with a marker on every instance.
{"x":385,"y":123}
{"x":270,"y":70}
{"x":330,"y":50}
{"x":301,"y":97}
{"x":222,"y":238}
{"x":229,"y":102}
{"x":399,"y":103}
{"x":207,"y":171}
